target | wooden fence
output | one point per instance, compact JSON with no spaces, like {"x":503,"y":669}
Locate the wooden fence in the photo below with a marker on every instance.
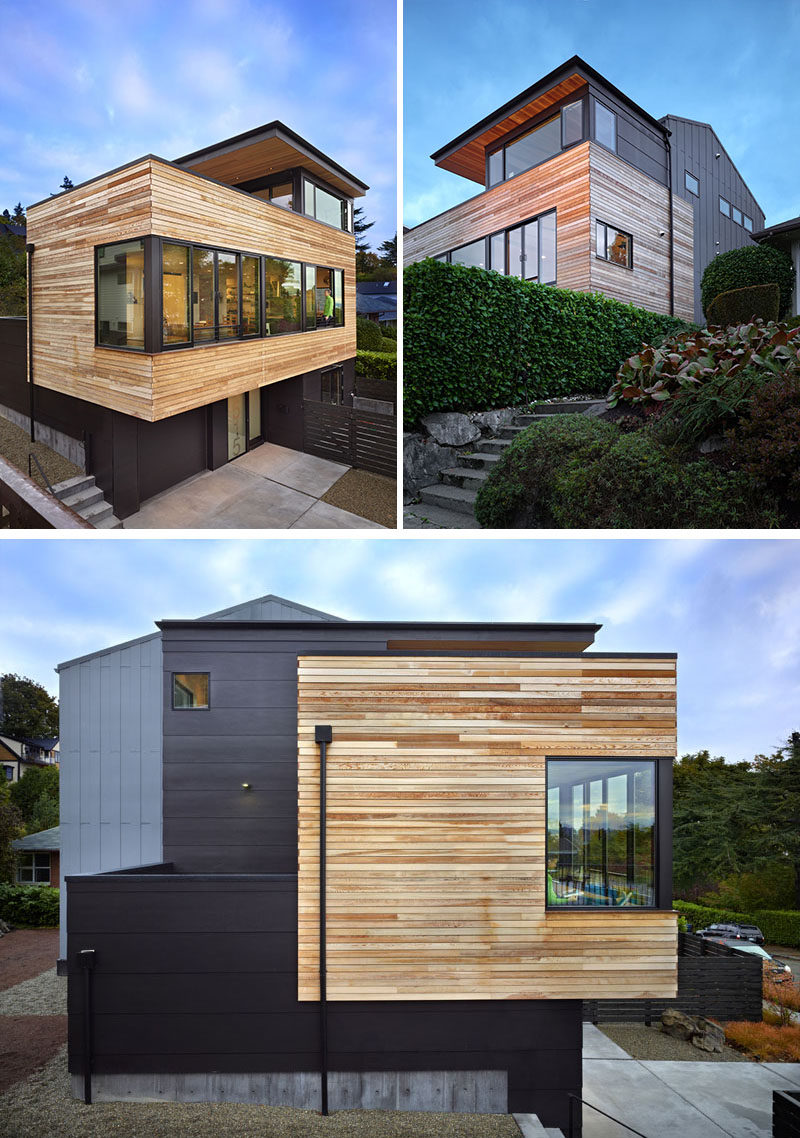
{"x":365,"y":440}
{"x":713,"y":980}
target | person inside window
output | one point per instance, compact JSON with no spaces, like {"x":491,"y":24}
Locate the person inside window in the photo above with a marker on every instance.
{"x":328,"y":309}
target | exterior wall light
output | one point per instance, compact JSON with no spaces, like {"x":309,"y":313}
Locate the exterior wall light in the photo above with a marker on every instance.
{"x":246,"y":786}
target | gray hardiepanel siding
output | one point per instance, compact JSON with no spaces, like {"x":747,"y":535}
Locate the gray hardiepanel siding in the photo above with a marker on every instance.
{"x":638,"y":141}
{"x":694,"y":146}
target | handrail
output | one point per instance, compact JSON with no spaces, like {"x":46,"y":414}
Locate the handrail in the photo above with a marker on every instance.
{"x":31,"y":455}
{"x":574,"y":1133}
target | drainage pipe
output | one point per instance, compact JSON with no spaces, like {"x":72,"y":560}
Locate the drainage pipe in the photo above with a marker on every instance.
{"x":671,"y":228}
{"x":323,"y":735}
{"x":29,"y":250}
{"x":87,"y":958}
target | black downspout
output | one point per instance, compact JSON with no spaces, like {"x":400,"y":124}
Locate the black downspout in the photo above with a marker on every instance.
{"x":86,"y":956}
{"x":29,"y":250}
{"x":671,"y":230}
{"x":322,"y":736}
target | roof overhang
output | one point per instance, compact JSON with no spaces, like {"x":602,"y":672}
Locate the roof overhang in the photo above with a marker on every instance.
{"x":267,"y":150}
{"x":783,"y":229}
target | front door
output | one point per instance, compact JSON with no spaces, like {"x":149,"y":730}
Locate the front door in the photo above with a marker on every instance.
{"x":285,"y":413}
{"x":244,"y":423}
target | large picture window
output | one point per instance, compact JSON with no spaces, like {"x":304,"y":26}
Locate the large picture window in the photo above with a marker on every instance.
{"x":326,"y":206}
{"x":324,"y":297}
{"x":120,"y":295}
{"x":284,"y":296}
{"x":537,"y":145}
{"x":601,"y":832}
{"x":527,"y":251}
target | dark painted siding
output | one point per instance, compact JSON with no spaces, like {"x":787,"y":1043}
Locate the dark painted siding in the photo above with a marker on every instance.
{"x":200,"y":974}
{"x":638,"y":141}
{"x":694,"y":148}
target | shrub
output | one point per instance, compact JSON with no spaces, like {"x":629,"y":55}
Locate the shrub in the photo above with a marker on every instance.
{"x":475,"y":340}
{"x":786,"y":996}
{"x":710,"y":408}
{"x":741,"y":305}
{"x":682,"y":363}
{"x":779,"y":926}
{"x":638,"y":484}
{"x":35,"y":905}
{"x":377,"y":365}
{"x":388,"y":345}
{"x":750,"y":265}
{"x":368,"y":335}
{"x":518,"y":489}
{"x":764,"y":1041}
{"x":766,"y":438}
{"x":389,"y":332}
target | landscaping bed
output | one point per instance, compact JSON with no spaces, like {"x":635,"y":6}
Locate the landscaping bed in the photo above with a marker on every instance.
{"x":642,"y":1042}
{"x":371,"y":496}
{"x":15,"y":445}
{"x":25,"y":953}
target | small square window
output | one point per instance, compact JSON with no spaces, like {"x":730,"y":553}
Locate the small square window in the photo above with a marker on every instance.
{"x":737,"y":215}
{"x":725,"y":207}
{"x":691,"y":183}
{"x":190,"y":690}
{"x":748,"y":223}
{"x":33,"y":869}
{"x":613,"y":245}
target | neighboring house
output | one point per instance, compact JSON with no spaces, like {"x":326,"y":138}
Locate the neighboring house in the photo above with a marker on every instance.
{"x":184,"y":311}
{"x":38,"y":858}
{"x":497,"y":809}
{"x":786,"y":236}
{"x":586,"y":190}
{"x":11,"y":229}
{"x":377,"y":301}
{"x":17,"y":755}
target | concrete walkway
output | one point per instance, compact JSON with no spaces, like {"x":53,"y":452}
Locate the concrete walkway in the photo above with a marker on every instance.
{"x":694,"y":1100}
{"x":272,"y":487}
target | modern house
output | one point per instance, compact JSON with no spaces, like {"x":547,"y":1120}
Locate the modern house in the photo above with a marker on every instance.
{"x":38,"y":858}
{"x":786,"y":236}
{"x":180,"y":313}
{"x":333,"y":863}
{"x":17,"y":755}
{"x":584,"y":189}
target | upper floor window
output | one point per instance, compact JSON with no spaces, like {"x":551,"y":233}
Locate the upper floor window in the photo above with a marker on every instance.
{"x":737,"y":215}
{"x":325,"y":206}
{"x":605,"y":126}
{"x":120,"y":294}
{"x":601,"y":832}
{"x":691,"y":183}
{"x":748,"y":223}
{"x":614,"y":245}
{"x":536,"y":145}
{"x":725,"y":207}
{"x":190,"y":690}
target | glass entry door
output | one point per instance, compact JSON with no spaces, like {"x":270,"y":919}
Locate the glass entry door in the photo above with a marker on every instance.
{"x":254,"y":434}
{"x":523,"y":251}
{"x":244,"y":423}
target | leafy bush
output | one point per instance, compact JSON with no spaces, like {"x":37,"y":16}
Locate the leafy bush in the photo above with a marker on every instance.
{"x":750,"y":265}
{"x":368,"y":335}
{"x":681,"y":364}
{"x":377,"y":365}
{"x":741,"y":305}
{"x":389,"y":332}
{"x":35,"y":905}
{"x":764,"y":1041}
{"x":388,"y":345}
{"x":475,"y":340}
{"x":772,"y":887}
{"x":519,"y":488}
{"x":711,"y":407}
{"x":766,"y":438}
{"x":779,"y":926}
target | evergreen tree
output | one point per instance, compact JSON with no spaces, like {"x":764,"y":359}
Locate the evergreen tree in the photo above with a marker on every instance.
{"x":36,"y":784}
{"x":67,"y":183}
{"x":11,"y":827}
{"x":361,"y":225}
{"x":775,"y":809}
{"x":388,"y":251}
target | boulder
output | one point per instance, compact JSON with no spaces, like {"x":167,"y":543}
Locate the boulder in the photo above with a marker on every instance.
{"x":451,"y":428}
{"x":715,"y":443}
{"x":423,"y":460}
{"x":709,"y":1036}
{"x":677,"y":1023}
{"x":490,"y":422}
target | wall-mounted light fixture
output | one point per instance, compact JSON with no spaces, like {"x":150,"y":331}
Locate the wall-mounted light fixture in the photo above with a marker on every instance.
{"x":247,"y":786}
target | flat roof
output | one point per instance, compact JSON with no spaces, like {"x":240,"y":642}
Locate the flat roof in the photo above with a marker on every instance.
{"x":432,"y":625}
{"x":781,"y":227}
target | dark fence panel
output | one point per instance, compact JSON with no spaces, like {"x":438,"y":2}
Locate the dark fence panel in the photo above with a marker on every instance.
{"x":365,"y":440}
{"x":369,"y":388}
{"x":713,"y":980}
{"x":786,"y":1114}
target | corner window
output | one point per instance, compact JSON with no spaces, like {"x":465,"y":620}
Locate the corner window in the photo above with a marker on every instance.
{"x":605,"y":126}
{"x":737,"y":215}
{"x":175,"y":278}
{"x":725,"y":207}
{"x":325,"y":206}
{"x":572,"y":123}
{"x":613,"y":245}
{"x":338,"y":297}
{"x":33,"y":868}
{"x":496,"y":174}
{"x":190,"y":690}
{"x":600,"y":833}
{"x":119,"y":280}
{"x":691,"y":183}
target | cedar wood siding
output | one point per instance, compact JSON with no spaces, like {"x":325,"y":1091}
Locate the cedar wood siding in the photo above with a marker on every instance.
{"x":152,"y":196}
{"x":436,"y":826}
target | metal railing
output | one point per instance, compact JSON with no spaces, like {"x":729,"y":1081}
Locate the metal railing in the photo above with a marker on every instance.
{"x":576,"y":1123}
{"x":39,"y":467}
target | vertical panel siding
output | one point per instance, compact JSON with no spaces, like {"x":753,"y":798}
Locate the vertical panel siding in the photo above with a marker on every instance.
{"x":436,"y":826}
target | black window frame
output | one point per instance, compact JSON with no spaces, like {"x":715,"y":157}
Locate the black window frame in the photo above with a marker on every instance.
{"x":148,"y":272}
{"x":487,"y":239}
{"x":174,"y":675}
{"x":338,"y":371}
{"x":320,"y":183}
{"x":686,"y":175}
{"x":599,"y":103}
{"x":662,"y":836}
{"x":606,"y":260}
{"x":551,"y":112}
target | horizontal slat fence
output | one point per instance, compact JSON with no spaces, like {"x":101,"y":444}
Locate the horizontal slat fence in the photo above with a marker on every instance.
{"x":365,"y":440}
{"x":785,"y":1114}
{"x":713,"y":980}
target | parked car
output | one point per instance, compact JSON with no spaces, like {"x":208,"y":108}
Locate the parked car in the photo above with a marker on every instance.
{"x":777,"y":970}
{"x":752,"y":932}
{"x":734,"y":932}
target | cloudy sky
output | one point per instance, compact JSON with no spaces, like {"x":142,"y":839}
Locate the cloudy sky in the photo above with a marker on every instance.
{"x":728,"y":607}
{"x":731,"y":63}
{"x":87,"y":85}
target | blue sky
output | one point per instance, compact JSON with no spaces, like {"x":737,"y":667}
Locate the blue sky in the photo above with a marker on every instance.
{"x":87,"y":85}
{"x":728,"y":607}
{"x":728,"y":62}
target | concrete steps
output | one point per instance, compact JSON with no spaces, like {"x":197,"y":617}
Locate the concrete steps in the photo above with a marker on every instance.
{"x":84,"y":496}
{"x":427,"y":516}
{"x":449,"y":497}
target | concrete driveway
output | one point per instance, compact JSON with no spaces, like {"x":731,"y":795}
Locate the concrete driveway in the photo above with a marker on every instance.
{"x":272,"y":487}
{"x":692,"y":1100}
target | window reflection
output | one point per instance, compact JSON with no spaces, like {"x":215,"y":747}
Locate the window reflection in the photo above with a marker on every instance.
{"x":175,"y":292}
{"x":283,"y":295}
{"x":120,"y":295}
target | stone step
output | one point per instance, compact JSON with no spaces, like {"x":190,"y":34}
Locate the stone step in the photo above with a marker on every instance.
{"x":424,"y":515}
{"x":450,"y":498}
{"x":84,"y":497}
{"x":511,"y":431}
{"x":465,"y":476}
{"x":531,"y":1127}
{"x":479,"y":459}
{"x":74,"y":485}
{"x":110,"y":522}
{"x":568,"y":407}
{"x":97,"y":512}
{"x":491,"y":446}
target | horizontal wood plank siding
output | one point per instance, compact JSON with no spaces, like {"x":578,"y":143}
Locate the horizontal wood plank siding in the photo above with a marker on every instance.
{"x":561,"y":184}
{"x":629,"y":200}
{"x":436,"y":826}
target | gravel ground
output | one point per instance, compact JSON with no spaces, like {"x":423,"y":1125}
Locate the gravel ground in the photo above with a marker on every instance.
{"x":25,"y":953}
{"x":371,"y":496}
{"x":15,"y":445}
{"x":44,"y":995}
{"x":643,"y":1042}
{"x":42,"y":1107}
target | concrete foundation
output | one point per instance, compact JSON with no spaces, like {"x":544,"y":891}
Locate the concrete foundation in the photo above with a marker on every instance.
{"x":65,"y":445}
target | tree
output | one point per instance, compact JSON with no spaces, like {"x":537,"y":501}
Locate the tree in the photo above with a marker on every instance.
{"x":388,"y":251}
{"x":27,"y":710}
{"x":360,"y":225}
{"x":6,"y":217}
{"x":776,"y":809}
{"x":45,"y":814}
{"x":67,"y":183}
{"x":13,"y":274}
{"x":36,"y":784}
{"x":18,"y":217}
{"x":11,"y":827}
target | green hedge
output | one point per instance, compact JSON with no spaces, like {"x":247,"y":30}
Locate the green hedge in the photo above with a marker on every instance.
{"x":35,"y":905}
{"x":368,"y":334}
{"x":377,"y":365}
{"x":741,"y":305}
{"x":778,"y":926}
{"x":750,"y":265}
{"x":475,"y":340}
